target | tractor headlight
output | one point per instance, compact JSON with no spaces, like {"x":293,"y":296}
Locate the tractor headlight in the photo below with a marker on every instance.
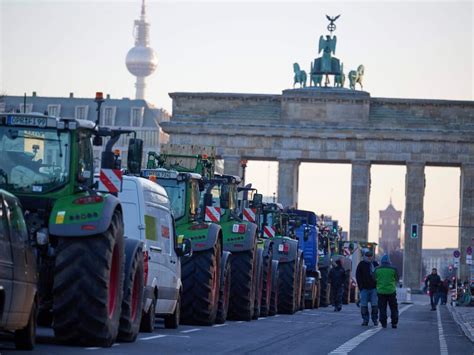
{"x":42,"y":236}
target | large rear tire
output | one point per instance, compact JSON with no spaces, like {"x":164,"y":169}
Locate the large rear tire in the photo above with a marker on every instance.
{"x":267,"y":283}
{"x":318,"y":291}
{"x":288,"y":299}
{"x":258,"y":285}
{"x":275,"y":286}
{"x":302,"y":277}
{"x":201,"y":281}
{"x":309,"y":303}
{"x":88,"y":287}
{"x":132,"y":303}
{"x":224,"y":293}
{"x":242,"y":288}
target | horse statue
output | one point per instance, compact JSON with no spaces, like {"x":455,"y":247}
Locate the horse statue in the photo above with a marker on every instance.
{"x":315,"y":79}
{"x":355,"y":77}
{"x":340,"y":79}
{"x":300,"y":76}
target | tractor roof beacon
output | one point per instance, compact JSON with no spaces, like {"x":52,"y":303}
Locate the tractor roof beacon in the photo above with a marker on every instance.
{"x":47,"y":162}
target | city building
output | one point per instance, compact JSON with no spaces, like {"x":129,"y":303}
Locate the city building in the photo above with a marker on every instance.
{"x":439,"y":259}
{"x":389,"y":229}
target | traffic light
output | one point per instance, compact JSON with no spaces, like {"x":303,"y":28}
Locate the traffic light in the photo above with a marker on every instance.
{"x":414,"y":231}
{"x":335,"y":227}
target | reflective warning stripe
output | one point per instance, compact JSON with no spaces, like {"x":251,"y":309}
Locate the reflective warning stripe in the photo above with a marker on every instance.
{"x":249,"y":214}
{"x":269,"y":231}
{"x":213,"y":214}
{"x":110,"y":180}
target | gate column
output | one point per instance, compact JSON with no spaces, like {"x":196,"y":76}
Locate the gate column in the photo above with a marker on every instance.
{"x":360,"y":193}
{"x":466,"y":218}
{"x":414,"y":214}
{"x":288,"y":171}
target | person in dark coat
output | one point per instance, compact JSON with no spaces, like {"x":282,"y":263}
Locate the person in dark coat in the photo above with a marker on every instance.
{"x":337,"y":278}
{"x":444,"y":291}
{"x":433,"y":283}
{"x":368,"y":292}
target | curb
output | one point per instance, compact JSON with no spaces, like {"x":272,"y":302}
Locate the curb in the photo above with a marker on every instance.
{"x":466,"y":327}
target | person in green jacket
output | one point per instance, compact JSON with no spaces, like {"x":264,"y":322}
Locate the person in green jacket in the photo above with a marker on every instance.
{"x":386,"y":279}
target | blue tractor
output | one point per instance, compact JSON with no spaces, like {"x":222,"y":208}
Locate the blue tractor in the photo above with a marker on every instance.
{"x":306,"y":231}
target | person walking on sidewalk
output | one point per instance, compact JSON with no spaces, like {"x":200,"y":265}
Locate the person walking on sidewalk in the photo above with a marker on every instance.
{"x":337,"y":277}
{"x":386,"y":279}
{"x":433,"y":283}
{"x":368,"y":292}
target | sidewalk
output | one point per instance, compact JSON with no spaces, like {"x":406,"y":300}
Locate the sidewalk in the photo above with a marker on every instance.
{"x":464,"y":316}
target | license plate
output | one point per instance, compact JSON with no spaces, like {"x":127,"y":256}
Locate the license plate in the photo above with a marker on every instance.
{"x":27,"y":121}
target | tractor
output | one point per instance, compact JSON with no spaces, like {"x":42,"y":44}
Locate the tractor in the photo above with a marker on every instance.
{"x":206,"y":274}
{"x":90,"y":279}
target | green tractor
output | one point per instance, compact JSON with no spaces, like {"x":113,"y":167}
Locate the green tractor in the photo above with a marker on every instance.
{"x":280,"y":227}
{"x":90,"y":285}
{"x":266,"y":296}
{"x":206,"y":273}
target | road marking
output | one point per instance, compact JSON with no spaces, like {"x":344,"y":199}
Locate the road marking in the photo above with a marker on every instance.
{"x":219,"y":325}
{"x":116,"y":344}
{"x":190,"y":330}
{"x":443,"y":347}
{"x":276,"y":315}
{"x":240,"y":321}
{"x":154,"y":337}
{"x":351,"y":344}
{"x":92,"y":348}
{"x":260,"y":318}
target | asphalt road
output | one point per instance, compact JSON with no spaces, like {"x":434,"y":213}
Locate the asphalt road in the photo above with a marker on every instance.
{"x":319,"y":331}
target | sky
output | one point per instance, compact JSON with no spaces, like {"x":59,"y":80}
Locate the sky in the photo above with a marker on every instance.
{"x":409,"y":49}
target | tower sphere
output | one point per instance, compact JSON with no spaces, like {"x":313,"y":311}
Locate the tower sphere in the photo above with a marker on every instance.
{"x":141,"y":61}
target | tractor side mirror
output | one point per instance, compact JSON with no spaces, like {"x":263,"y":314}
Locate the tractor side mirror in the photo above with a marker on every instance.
{"x":257,"y":200}
{"x":184,"y":248}
{"x":134,"y":156}
{"x":207,"y":199}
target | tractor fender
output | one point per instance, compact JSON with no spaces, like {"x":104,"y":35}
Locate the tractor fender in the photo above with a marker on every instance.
{"x":224,"y":259}
{"x":293,"y":251}
{"x":205,"y":244}
{"x":69,"y":219}
{"x":248,"y":243}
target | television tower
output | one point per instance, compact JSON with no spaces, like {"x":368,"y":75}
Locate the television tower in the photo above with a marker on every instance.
{"x":141,"y":60}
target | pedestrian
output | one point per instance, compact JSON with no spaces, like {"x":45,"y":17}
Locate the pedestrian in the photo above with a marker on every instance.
{"x":386,"y":278}
{"x":433,"y":283}
{"x":337,"y":278}
{"x":368,"y":292}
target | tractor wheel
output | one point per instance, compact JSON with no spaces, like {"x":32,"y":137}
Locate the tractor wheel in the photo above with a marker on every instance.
{"x":148,"y":318}
{"x":273,"y":308}
{"x":267,"y":283}
{"x":301,"y":283}
{"x":132,"y":303}
{"x":318,"y":291}
{"x":242,"y":288}
{"x":172,"y":320}
{"x":201,"y":280}
{"x":25,"y":338}
{"x":224,"y":293}
{"x":259,"y":285}
{"x":288,"y":299}
{"x":88,"y":287}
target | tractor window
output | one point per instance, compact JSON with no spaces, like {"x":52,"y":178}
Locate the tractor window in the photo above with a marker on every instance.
{"x":86,"y":159}
{"x":33,"y":160}
{"x":177,"y":194}
{"x":194,"y":198}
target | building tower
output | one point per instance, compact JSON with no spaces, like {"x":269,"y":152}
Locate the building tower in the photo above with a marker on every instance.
{"x":141,"y":60}
{"x":389,"y":229}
